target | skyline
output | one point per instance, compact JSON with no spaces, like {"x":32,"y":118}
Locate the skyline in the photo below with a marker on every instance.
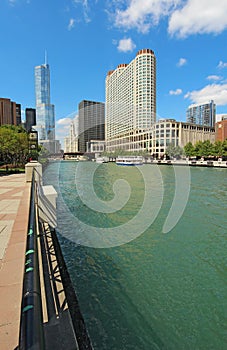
{"x":86,"y":39}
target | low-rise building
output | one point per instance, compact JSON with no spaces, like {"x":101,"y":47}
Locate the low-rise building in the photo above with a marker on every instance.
{"x":162,"y":134}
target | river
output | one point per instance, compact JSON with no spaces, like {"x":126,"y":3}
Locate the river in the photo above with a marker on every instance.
{"x":139,"y":286}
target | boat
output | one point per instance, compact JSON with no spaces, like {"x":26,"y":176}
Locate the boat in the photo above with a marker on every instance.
{"x":101,"y":160}
{"x":129,"y":160}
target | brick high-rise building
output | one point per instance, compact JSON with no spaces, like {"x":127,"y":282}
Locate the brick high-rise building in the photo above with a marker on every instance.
{"x":221,"y":129}
{"x":10,"y":112}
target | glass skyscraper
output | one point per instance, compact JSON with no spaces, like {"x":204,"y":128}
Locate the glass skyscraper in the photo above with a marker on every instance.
{"x":45,"y":116}
{"x":202,"y":114}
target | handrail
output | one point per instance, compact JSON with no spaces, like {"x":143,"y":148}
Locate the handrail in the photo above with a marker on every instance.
{"x":31,"y":322}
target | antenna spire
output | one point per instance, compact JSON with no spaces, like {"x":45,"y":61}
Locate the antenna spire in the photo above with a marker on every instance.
{"x":45,"y":57}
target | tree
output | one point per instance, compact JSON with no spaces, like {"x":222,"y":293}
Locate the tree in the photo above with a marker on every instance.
{"x":189,"y":149}
{"x":13,"y":145}
{"x":218,"y":148}
{"x":174,"y":151}
{"x":224,"y":148}
{"x":198,"y":149}
{"x":207,"y":148}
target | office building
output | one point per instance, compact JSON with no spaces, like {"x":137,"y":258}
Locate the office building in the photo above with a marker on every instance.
{"x":45,"y":118}
{"x":221,"y":129}
{"x":166,"y":132}
{"x":91,"y":123}
{"x":130,"y":100}
{"x":10,"y":112}
{"x":30,"y":118}
{"x":202,"y":114}
{"x":71,"y":141}
{"x":18,"y":114}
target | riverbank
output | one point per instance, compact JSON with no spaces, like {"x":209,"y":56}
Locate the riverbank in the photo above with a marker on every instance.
{"x":203,"y":163}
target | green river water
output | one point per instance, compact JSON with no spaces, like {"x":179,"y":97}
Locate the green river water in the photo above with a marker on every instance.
{"x":159,"y":290}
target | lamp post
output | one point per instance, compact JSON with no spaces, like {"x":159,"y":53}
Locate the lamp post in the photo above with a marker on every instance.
{"x":33,"y":143}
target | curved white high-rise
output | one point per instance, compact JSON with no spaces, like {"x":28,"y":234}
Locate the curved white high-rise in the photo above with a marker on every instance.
{"x":130,"y":100}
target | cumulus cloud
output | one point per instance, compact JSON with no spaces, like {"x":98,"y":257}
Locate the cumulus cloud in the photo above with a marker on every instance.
{"x":214,"y":77}
{"x":216,"y":92}
{"x":186,"y":17}
{"x":143,"y":14}
{"x":64,"y":121}
{"x":198,"y":17}
{"x":175,"y":92}
{"x":71,"y":23}
{"x":181,"y":62}
{"x":222,"y":64}
{"x":126,"y":45}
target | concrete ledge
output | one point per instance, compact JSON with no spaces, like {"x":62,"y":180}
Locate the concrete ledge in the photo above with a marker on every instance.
{"x":29,"y":170}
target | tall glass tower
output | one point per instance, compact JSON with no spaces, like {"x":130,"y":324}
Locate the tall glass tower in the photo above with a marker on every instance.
{"x":45,"y":116}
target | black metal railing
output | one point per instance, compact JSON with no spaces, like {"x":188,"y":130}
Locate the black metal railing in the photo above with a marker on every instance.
{"x":31,"y":322}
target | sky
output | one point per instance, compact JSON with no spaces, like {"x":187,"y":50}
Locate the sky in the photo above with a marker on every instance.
{"x":85,"y":39}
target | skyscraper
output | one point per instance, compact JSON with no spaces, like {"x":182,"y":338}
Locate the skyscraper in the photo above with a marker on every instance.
{"x":30,"y":118}
{"x":130,"y":100}
{"x":10,"y":112}
{"x":91,"y":122}
{"x":202,"y":114}
{"x":45,"y":118}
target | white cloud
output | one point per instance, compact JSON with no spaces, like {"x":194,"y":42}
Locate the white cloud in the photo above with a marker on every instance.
{"x":175,"y":92}
{"x":126,"y":45}
{"x":181,"y":62}
{"x":216,"y":92}
{"x":71,"y":23}
{"x":64,"y":121}
{"x":186,"y":17}
{"x":214,"y":77}
{"x":198,"y":17}
{"x":85,"y":9}
{"x":143,"y":14}
{"x":222,"y":64}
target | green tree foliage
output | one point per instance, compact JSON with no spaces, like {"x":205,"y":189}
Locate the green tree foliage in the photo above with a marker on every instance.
{"x":189,"y":150}
{"x":224,"y":148}
{"x":206,"y":149}
{"x":13,"y":145}
{"x":218,"y":151}
{"x":174,"y":151}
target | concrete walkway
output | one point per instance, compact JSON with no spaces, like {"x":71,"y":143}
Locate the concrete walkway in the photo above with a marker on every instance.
{"x":14,"y":211}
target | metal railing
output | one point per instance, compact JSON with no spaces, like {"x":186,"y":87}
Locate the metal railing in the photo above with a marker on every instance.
{"x":33,"y":332}
{"x":31,"y":322}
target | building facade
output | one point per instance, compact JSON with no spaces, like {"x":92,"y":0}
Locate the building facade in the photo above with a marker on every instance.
{"x":91,"y":123}
{"x":45,"y":116}
{"x":202,"y":114}
{"x":221,"y":129}
{"x":10,"y":112}
{"x":168,"y":132}
{"x":71,"y":141}
{"x":130,"y":100}
{"x":30,"y":118}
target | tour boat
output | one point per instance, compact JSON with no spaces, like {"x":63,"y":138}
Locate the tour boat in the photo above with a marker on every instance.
{"x":129,"y":160}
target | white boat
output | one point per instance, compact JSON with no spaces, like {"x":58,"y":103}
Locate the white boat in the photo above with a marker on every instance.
{"x":129,"y":160}
{"x":101,"y":160}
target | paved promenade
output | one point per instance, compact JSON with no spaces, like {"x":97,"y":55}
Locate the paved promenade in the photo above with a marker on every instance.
{"x":14,"y":209}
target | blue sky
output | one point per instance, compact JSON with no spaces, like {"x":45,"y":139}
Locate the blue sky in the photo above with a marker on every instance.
{"x":85,"y":39}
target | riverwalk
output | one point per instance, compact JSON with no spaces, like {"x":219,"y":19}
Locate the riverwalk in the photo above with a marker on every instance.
{"x":59,"y":320}
{"x":14,"y":213}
